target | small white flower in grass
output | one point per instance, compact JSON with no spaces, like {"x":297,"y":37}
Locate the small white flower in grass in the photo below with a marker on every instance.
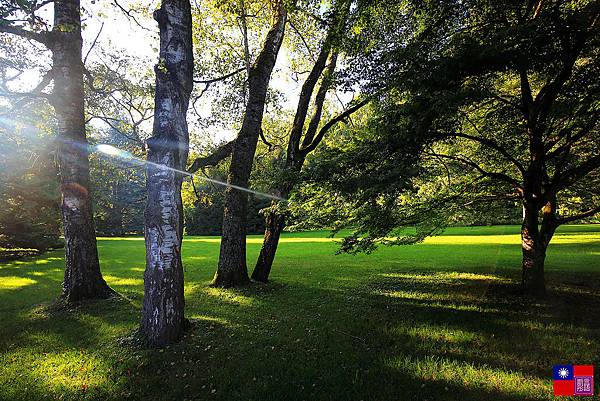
{"x":563,"y":372}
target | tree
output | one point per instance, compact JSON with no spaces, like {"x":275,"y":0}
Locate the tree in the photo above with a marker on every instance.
{"x":503,"y":99}
{"x":82,"y":272}
{"x":232,"y":270}
{"x":303,"y":140}
{"x":163,"y":307}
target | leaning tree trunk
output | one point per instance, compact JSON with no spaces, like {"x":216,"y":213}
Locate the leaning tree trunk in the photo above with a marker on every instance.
{"x":295,"y":157}
{"x":232,"y":269}
{"x":163,"y":306}
{"x":275,"y":222}
{"x":83,"y":279}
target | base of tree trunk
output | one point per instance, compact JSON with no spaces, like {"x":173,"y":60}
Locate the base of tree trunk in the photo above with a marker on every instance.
{"x":261,"y":274}
{"x":230,"y":279}
{"x":532,"y":281}
{"x":85,"y":291}
{"x":533,"y":286}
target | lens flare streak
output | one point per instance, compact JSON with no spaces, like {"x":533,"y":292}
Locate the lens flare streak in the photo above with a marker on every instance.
{"x":123,"y":154}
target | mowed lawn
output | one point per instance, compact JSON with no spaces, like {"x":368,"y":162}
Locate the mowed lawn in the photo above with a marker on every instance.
{"x":442,"y":320}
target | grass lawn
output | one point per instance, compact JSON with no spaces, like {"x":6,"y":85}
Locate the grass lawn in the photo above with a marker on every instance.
{"x":442,"y":320}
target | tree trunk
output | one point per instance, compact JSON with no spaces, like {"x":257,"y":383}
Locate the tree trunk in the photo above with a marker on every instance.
{"x":534,"y":242}
{"x":275,"y":222}
{"x":83,"y":279}
{"x":163,"y":307}
{"x":232,"y":269}
{"x":274,"y":226}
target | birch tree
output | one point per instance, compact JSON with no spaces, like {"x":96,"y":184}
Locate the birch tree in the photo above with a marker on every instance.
{"x":163,"y":306}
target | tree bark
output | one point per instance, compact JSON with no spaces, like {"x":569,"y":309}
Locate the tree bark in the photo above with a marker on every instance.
{"x":83,"y":279}
{"x":533,"y":254}
{"x":275,"y":222}
{"x":534,"y":243}
{"x":232,"y":269}
{"x":163,"y":307}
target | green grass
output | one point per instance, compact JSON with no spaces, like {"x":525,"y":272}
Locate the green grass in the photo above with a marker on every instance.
{"x":442,"y":320}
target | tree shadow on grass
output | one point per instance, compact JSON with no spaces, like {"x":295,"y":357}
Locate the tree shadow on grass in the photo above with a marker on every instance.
{"x":488,"y":321}
{"x":406,"y":335}
{"x":300,"y":341}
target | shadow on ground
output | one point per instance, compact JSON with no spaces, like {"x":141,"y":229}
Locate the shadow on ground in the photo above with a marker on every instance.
{"x":329,"y":333}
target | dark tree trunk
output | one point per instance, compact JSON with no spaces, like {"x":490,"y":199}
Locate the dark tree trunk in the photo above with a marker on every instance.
{"x":533,"y":254}
{"x":83,"y":279}
{"x":274,"y":226}
{"x":534,"y":243}
{"x":163,"y":307}
{"x":232,"y":269}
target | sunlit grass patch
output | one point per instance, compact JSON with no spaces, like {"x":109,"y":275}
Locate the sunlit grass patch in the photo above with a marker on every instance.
{"x":211,"y":319}
{"x":434,"y":298}
{"x":228,"y":296}
{"x":118,"y":281}
{"x":444,"y":372}
{"x":437,"y":333}
{"x":14,"y":282}
{"x":433,"y":321}
{"x":438,"y":277}
{"x":71,"y":370}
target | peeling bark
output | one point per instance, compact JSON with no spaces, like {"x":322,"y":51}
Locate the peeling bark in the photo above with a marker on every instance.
{"x":163,"y":307}
{"x":232,"y":269}
{"x":83,"y":279}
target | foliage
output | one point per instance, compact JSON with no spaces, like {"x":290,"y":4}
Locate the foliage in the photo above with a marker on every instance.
{"x":29,"y":209}
{"x":203,"y":205}
{"x":119,"y":187}
{"x":484,"y":104}
{"x":8,"y":254}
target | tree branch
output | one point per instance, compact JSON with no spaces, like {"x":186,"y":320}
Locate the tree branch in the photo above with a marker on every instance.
{"x":312,"y":55}
{"x":470,"y":163}
{"x":221,"y":78}
{"x":491,"y":144}
{"x":35,"y":93}
{"x":43,"y":38}
{"x":222,"y":152}
{"x":326,"y":81}
{"x":110,"y":122}
{"x":576,"y":173}
{"x":579,"y":216}
{"x":319,"y":137}
{"x":261,"y":133}
{"x":93,"y":43}
{"x":130,"y":15}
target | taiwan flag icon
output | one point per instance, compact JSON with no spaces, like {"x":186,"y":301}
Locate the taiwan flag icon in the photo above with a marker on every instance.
{"x":573,"y":379}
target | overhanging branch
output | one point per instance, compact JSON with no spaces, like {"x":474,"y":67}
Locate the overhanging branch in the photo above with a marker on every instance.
{"x":485,"y":173}
{"x":40,"y":37}
{"x":331,"y":123}
{"x":579,"y":216}
{"x":492,"y":145}
{"x":219,"y":154}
